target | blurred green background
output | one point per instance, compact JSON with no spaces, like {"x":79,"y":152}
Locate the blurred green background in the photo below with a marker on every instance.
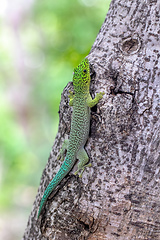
{"x":40,"y":44}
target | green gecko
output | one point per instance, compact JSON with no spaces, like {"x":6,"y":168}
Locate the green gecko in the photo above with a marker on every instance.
{"x":81,"y":101}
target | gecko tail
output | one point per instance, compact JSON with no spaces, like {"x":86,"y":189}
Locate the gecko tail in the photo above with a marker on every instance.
{"x":63,"y":171}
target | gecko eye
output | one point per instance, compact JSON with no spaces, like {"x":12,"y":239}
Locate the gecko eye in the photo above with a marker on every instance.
{"x":84,"y":70}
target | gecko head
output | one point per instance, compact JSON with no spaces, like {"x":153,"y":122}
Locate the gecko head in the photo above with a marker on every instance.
{"x":81,"y":77}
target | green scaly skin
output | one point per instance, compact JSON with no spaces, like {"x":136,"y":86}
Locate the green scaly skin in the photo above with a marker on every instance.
{"x":81,"y":101}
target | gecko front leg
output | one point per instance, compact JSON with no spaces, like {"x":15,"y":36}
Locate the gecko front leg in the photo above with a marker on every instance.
{"x":71,"y":97}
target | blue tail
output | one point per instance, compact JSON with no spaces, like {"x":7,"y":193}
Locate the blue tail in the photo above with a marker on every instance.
{"x":63,"y":171}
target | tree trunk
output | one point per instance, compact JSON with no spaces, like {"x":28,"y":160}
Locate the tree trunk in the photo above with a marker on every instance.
{"x":118,"y":197}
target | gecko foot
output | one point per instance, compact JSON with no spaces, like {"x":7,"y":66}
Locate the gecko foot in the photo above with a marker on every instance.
{"x":82,"y":170}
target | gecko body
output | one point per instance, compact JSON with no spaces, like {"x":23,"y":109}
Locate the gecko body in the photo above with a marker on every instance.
{"x":81,"y":101}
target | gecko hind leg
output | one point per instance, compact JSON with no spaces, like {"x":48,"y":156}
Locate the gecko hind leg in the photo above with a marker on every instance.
{"x":83,"y":159}
{"x":63,"y":149}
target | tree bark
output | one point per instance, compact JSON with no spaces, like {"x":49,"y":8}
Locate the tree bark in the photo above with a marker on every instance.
{"x":118,"y":197}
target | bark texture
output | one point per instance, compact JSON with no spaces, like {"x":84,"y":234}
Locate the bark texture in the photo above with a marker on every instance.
{"x":118,"y":197}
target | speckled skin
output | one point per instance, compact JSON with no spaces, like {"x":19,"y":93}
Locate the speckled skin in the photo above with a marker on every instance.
{"x":82,"y":102}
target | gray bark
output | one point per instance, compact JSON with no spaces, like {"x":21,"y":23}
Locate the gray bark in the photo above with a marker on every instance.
{"x":118,"y":197}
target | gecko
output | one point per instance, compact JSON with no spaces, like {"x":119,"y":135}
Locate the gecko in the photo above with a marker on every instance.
{"x":82,"y":102}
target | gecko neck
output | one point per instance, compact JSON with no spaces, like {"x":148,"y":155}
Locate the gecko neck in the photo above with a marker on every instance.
{"x":81,"y":91}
